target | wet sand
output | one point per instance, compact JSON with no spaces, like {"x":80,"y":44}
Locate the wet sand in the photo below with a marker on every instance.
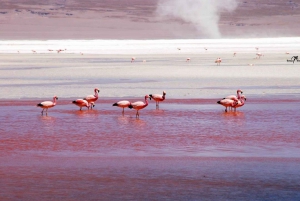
{"x":188,"y":149}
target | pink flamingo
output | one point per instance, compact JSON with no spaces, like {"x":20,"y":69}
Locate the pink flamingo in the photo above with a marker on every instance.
{"x":188,"y":59}
{"x":218,"y":61}
{"x":259,"y":55}
{"x":158,"y":98}
{"x":47,"y":104}
{"x":227,"y":103}
{"x":234,"y":54}
{"x":92,"y":98}
{"x":33,"y":51}
{"x":132,"y":59}
{"x":139,"y":105}
{"x":235,"y":97}
{"x":122,"y":104}
{"x":240,"y":103}
{"x":83,"y":103}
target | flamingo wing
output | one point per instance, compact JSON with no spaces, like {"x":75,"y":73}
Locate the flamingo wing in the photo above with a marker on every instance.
{"x":138,"y":104}
{"x":90,"y":97}
{"x":231,"y":97}
{"x":123,"y":103}
{"x":46,"y":104}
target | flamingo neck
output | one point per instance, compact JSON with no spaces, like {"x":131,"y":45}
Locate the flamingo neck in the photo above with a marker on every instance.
{"x":164,"y":96}
{"x":238,"y":95}
{"x":146,"y":101}
{"x":96,"y":93}
{"x":54,"y":101}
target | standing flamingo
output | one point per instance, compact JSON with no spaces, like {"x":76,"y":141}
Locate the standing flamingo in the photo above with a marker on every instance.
{"x":83,"y":103}
{"x":234,"y":54}
{"x":132,"y":59}
{"x":218,"y":61}
{"x":47,"y":104}
{"x":227,"y":103}
{"x":240,"y":103}
{"x":158,"y":98}
{"x":188,"y":59}
{"x":92,"y":98}
{"x":139,"y":105}
{"x":122,"y":104}
{"x":259,"y":55}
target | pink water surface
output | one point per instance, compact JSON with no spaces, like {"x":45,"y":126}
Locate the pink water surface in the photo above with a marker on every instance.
{"x":185,"y":150}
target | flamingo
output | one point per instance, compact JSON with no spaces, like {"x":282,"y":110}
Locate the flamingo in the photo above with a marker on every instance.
{"x":287,"y":53}
{"x":33,"y":51}
{"x":259,"y":55}
{"x":188,"y":59}
{"x":47,"y":104}
{"x":132,"y":59}
{"x":158,"y":98}
{"x":235,"y":97}
{"x":205,"y":48}
{"x":122,"y":104}
{"x":139,"y":105}
{"x":256,"y":48}
{"x":92,"y":98}
{"x":83,"y":103}
{"x":227,"y":103}
{"x":218,"y":61}
{"x":178,"y":48}
{"x":240,"y":102}
{"x":234,"y":54}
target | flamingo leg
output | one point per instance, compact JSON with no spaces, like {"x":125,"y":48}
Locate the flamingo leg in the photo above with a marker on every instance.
{"x":123,"y":111}
{"x":226,"y":109}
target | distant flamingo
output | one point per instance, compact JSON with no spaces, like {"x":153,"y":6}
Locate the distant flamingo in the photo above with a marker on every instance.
{"x":218,"y":61}
{"x":144,"y":61}
{"x":158,"y":98}
{"x":234,"y":54}
{"x":83,"y":103}
{"x":227,"y":103}
{"x":259,"y":55}
{"x":47,"y":104}
{"x":256,"y":48}
{"x":92,"y":98}
{"x":132,"y":59}
{"x":122,"y":104}
{"x":178,"y":48}
{"x":205,"y":48}
{"x":188,"y":59}
{"x":33,"y":51}
{"x":287,"y":53}
{"x":241,"y":102}
{"x":235,"y":97}
{"x":139,"y":105}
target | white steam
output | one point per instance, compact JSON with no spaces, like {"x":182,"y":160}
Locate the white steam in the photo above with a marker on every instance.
{"x":203,"y":14}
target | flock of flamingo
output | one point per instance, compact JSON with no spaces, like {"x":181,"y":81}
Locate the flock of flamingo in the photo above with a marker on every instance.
{"x":231,"y":101}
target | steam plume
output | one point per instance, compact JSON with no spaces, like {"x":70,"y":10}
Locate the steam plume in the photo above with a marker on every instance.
{"x":203,"y":14}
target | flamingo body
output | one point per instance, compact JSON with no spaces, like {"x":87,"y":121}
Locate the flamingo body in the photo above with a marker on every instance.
{"x":122,"y":104}
{"x":235,"y":97}
{"x":227,"y":103}
{"x":139,"y":105}
{"x":47,"y":104}
{"x":83,"y":103}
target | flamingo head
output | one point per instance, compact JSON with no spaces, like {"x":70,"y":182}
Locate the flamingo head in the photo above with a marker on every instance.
{"x":55,"y":97}
{"x":244,"y":97}
{"x":239,"y":91}
{"x":147,"y":96}
{"x":164,"y":92}
{"x":97,"y":90}
{"x":92,"y":104}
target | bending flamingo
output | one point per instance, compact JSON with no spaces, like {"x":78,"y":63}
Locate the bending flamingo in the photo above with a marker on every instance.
{"x":227,"y":103}
{"x":122,"y":104}
{"x":92,"y":98}
{"x":139,"y":105}
{"x":83,"y":103}
{"x":240,"y":103}
{"x":158,"y":98}
{"x":47,"y":104}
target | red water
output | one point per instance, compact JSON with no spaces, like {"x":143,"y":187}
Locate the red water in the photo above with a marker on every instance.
{"x":186,"y":150}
